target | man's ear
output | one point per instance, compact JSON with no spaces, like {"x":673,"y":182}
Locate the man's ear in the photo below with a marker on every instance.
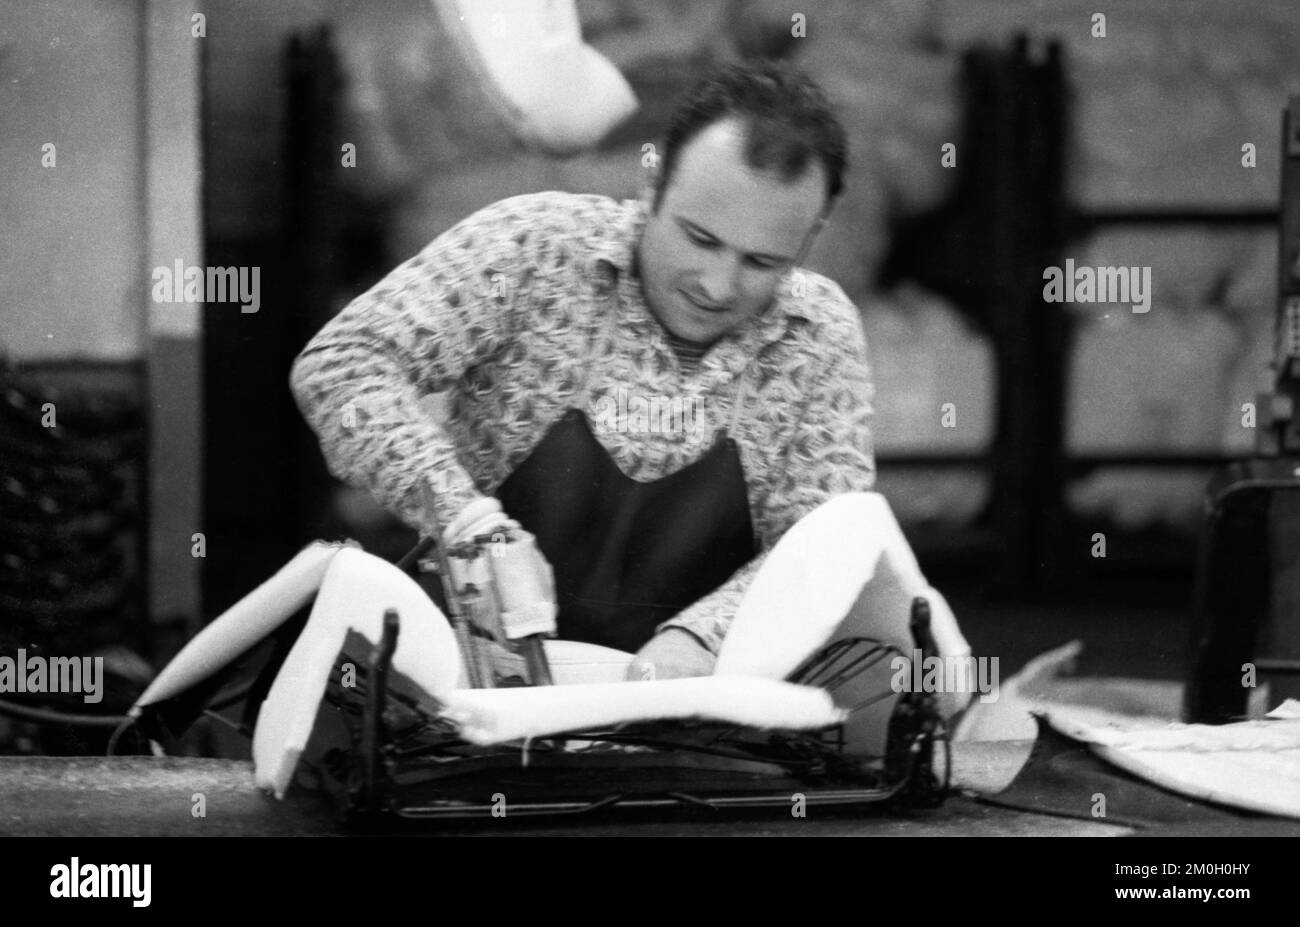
{"x":811,"y":238}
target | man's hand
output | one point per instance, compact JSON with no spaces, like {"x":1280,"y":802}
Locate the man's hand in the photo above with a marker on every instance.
{"x":671,"y":654}
{"x":482,"y":516}
{"x":524,"y":579}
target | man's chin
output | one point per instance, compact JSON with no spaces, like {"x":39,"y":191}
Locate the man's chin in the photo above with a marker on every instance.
{"x":683,"y":321}
{"x":693,"y":333}
{"x":699,"y":326}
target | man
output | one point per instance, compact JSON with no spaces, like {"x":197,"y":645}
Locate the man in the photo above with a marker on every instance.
{"x":554,"y":321}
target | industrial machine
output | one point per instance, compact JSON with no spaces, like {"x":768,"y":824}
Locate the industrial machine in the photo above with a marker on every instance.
{"x":1246,"y":627}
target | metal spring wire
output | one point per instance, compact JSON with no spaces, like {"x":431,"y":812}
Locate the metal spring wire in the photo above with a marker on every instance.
{"x":842,"y":661}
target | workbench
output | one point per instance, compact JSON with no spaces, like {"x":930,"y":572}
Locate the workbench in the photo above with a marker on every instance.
{"x":156,"y":796}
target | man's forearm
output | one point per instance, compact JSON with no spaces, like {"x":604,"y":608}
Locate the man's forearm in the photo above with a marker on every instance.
{"x":373,"y":432}
{"x":418,"y":330}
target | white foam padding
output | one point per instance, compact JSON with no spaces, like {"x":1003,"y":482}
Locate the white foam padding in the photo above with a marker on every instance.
{"x":357,"y":589}
{"x":245,"y":623}
{"x":849,"y":550}
{"x":490,"y":716}
{"x":554,"y":91}
{"x":571,"y":662}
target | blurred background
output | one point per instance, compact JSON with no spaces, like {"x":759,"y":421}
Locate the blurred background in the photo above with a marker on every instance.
{"x":179,"y":473}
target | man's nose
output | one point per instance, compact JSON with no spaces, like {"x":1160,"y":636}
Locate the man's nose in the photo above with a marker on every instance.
{"x":718,"y":279}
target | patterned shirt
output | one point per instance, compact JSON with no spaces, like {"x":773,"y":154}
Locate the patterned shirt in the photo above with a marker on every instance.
{"x":505,"y":315}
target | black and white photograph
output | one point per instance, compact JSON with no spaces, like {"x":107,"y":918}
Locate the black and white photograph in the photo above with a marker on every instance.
{"x":650,"y":419}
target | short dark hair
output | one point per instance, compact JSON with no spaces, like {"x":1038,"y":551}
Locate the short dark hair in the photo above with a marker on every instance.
{"x":784,"y":113}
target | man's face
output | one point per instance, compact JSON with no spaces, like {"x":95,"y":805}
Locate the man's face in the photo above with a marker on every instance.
{"x":713,"y":254}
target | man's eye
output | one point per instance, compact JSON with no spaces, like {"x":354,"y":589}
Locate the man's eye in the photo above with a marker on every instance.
{"x":762,"y":263}
{"x":703,"y":240}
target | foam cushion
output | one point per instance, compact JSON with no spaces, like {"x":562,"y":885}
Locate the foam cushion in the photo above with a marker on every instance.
{"x":357,"y":589}
{"x":244,"y":624}
{"x":488,"y":716}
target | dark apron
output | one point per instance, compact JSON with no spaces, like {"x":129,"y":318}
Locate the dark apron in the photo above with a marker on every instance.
{"x":629,"y":555}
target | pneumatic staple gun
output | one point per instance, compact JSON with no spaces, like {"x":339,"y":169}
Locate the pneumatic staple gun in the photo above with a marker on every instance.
{"x":493,"y":597}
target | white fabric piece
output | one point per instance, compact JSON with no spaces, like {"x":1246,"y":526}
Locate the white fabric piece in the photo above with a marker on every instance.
{"x":1119,"y":732}
{"x":244,"y":624}
{"x":491,"y":716}
{"x":358,"y":588}
{"x":1253,"y":765}
{"x":554,"y":91}
{"x":1011,"y":716}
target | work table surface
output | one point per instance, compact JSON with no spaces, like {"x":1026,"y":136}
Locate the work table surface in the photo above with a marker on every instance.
{"x":155,"y":796}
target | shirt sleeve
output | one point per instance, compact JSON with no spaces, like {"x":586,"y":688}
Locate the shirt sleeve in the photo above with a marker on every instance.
{"x":830,"y":452}
{"x":361,"y":380}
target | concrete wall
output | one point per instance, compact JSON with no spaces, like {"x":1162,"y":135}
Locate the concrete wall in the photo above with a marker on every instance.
{"x":74,"y":233}
{"x":114,"y":88}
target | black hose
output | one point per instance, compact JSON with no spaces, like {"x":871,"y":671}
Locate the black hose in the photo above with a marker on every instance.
{"x":51,"y":716}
